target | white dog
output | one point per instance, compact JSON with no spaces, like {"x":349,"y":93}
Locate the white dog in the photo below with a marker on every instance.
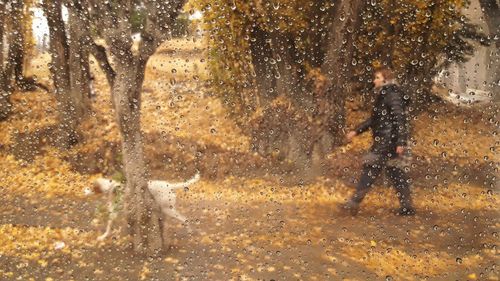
{"x":163,"y":193}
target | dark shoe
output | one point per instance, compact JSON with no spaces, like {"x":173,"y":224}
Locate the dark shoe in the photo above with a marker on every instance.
{"x":406,"y":211}
{"x":351,"y":207}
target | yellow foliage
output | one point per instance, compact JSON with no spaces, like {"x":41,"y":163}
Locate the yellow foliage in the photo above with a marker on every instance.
{"x":46,"y":175}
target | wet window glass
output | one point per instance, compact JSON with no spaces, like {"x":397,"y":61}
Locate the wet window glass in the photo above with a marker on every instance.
{"x":249,"y":139}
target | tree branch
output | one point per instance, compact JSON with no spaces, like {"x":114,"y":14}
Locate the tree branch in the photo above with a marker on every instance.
{"x":159,"y":21}
{"x":99,"y":53}
{"x":82,"y":8}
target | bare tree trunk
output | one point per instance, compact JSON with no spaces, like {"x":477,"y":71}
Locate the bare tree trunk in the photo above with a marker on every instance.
{"x":283,"y":50}
{"x":264,"y":73}
{"x":492,"y":17}
{"x":274,"y":60}
{"x":143,"y":214}
{"x":2,"y":23}
{"x":339,"y":58}
{"x":68,"y":104}
{"x":5,"y":105}
{"x":99,"y":53}
{"x":80,"y":22}
{"x":79,"y":62}
{"x":285,"y":95}
{"x":16,"y":43}
{"x":128,"y":71}
{"x":419,"y":77}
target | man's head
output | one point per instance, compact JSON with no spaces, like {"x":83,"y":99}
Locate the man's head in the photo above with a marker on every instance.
{"x":383,"y":76}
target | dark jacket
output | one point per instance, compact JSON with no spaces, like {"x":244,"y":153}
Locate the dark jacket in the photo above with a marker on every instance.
{"x":388,"y":121}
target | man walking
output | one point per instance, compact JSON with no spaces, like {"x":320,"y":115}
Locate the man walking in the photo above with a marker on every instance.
{"x":389,"y":126}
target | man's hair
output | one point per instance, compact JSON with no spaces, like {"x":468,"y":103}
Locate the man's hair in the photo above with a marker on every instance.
{"x":386,"y":72}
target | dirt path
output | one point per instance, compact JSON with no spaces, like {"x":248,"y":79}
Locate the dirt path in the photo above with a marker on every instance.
{"x":276,"y":239}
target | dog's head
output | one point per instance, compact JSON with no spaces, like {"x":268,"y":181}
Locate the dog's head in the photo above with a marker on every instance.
{"x":99,"y":186}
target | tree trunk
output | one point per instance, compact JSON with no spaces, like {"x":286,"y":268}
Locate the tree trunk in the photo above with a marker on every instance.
{"x":80,"y":22}
{"x":2,"y":23}
{"x":127,"y":73}
{"x":320,"y":17}
{"x":492,"y":18}
{"x":79,"y":45}
{"x":68,"y":102}
{"x":16,"y":43}
{"x":418,"y":80}
{"x":307,"y":137}
{"x":284,"y":54}
{"x":5,"y":105}
{"x":280,"y":97}
{"x":143,"y":214}
{"x":264,"y":72}
{"x":339,"y":58}
{"x":99,"y":53}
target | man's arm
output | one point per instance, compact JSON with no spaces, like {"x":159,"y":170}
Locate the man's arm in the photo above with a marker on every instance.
{"x":360,"y":129}
{"x":363,"y":127}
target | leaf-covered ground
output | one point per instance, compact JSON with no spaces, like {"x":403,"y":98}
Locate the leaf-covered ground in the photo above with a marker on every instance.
{"x":249,"y":221}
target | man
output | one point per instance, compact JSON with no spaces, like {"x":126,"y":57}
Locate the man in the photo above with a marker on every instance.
{"x":389,"y":126}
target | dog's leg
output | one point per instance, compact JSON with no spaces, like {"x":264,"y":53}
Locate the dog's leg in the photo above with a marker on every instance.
{"x":108,"y":228}
{"x":175,"y":214}
{"x":163,"y":228}
{"x":112,"y":216}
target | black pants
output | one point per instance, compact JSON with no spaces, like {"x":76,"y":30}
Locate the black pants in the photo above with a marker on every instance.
{"x":372,"y":168}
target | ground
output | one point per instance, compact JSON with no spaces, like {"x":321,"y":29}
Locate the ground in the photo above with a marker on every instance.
{"x":250,"y":219}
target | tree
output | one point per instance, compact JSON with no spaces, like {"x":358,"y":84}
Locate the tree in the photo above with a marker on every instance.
{"x":79,"y":45}
{"x":70,"y":46}
{"x":300,"y":60}
{"x":299,"y":53}
{"x":491,"y":12}
{"x":69,"y":100}
{"x":16,"y":19}
{"x":16,"y":42}
{"x":127,"y":73}
{"x":84,"y":44}
{"x":417,"y":39}
{"x":492,"y":17}
{"x":270,"y":43}
{"x":5,"y":105}
{"x":12,"y":72}
{"x":338,"y":66}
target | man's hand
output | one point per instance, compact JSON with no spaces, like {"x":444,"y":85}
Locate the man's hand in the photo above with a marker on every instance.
{"x":351,"y":135}
{"x":400,"y":150}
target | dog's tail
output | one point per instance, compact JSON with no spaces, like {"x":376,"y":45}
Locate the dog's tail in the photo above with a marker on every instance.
{"x":187,"y":183}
